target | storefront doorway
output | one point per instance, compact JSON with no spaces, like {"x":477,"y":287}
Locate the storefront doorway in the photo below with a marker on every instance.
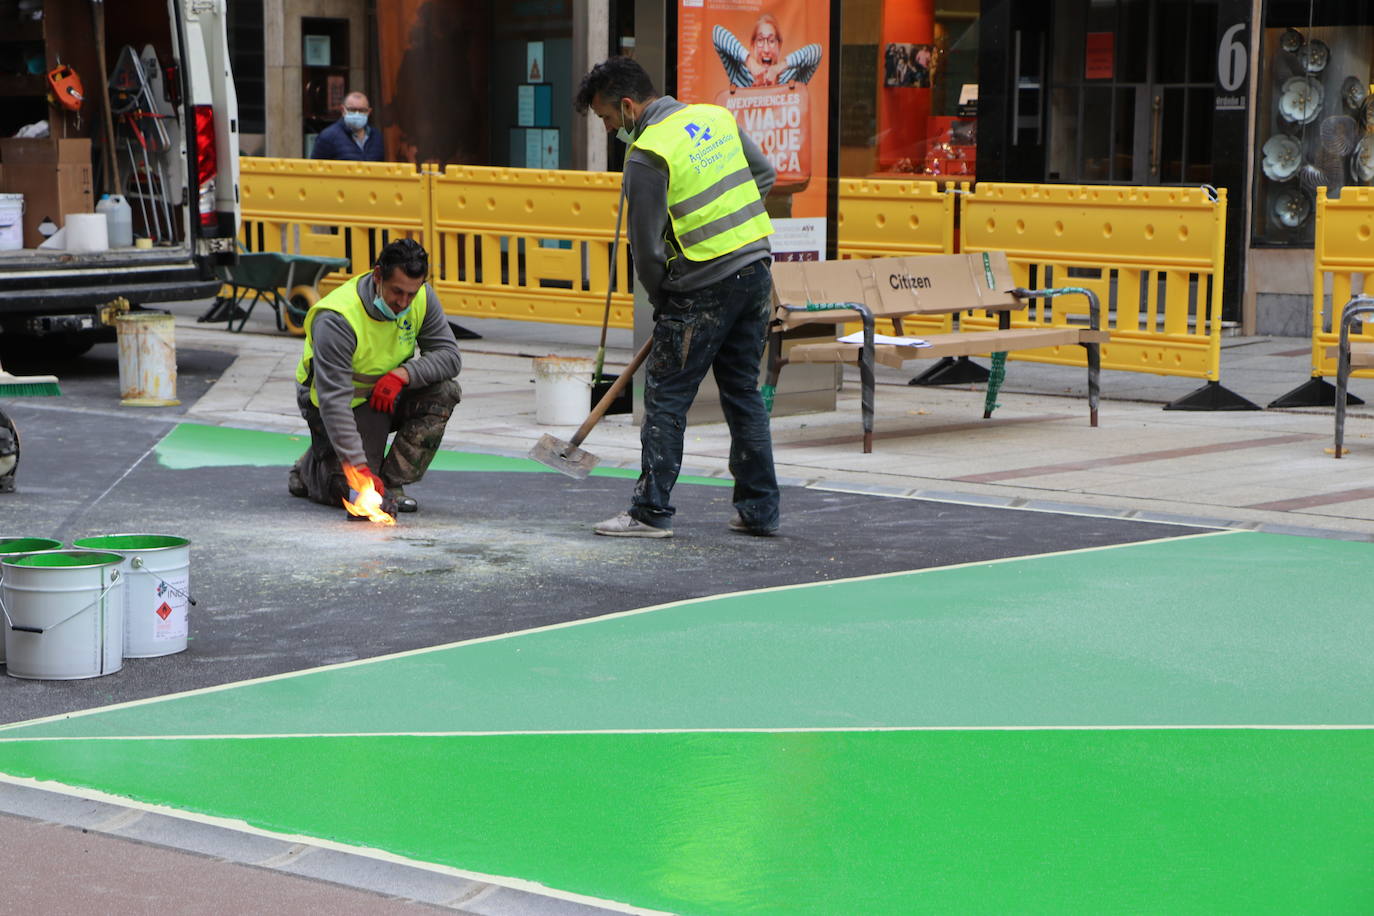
{"x":1132,"y":88}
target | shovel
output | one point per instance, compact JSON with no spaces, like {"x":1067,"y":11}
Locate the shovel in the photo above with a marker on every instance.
{"x":566,"y":457}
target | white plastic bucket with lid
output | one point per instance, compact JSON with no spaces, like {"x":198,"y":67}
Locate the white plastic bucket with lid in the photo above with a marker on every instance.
{"x":562,"y":389}
{"x":156,"y":591}
{"x":18,"y":547}
{"x":63,"y":618}
{"x":11,"y":222}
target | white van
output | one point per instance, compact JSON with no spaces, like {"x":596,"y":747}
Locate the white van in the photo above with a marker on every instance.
{"x":174,"y":123}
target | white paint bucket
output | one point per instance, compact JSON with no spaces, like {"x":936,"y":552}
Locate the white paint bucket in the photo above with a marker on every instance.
{"x":562,"y":388}
{"x":147,"y":359}
{"x":157,"y":590}
{"x":63,"y":617}
{"x":11,"y":222}
{"x":18,"y":547}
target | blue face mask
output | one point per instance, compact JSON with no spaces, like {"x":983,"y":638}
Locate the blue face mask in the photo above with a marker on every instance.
{"x":355,"y":120}
{"x":385,"y":309}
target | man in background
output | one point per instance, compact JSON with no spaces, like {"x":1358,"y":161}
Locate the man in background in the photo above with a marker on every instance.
{"x":350,"y":137}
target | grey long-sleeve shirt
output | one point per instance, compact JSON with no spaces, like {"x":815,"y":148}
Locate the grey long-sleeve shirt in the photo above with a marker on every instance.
{"x":437,"y":358}
{"x":660,"y":266}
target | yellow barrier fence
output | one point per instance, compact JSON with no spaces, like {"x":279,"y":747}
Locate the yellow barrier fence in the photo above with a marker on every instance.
{"x":1153,"y":255}
{"x":529,"y":244}
{"x":1343,"y":260}
{"x":331,"y":209}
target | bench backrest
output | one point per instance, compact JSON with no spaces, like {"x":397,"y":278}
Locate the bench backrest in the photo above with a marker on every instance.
{"x":893,"y":287}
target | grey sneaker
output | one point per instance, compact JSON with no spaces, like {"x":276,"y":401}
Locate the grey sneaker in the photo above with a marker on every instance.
{"x":403,"y":502}
{"x":625,"y":526}
{"x":738,"y":524}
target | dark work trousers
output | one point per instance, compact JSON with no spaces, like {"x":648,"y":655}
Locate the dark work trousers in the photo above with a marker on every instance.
{"x":719,"y":328}
{"x":418,"y":422}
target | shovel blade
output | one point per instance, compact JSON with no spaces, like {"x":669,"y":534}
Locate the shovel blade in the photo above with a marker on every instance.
{"x":563,"y":457}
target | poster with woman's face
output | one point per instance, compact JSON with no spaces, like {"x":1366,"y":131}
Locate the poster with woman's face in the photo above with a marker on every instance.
{"x":765,"y":61}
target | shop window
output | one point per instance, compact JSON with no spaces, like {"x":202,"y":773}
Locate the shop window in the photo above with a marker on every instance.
{"x":1314,"y":116}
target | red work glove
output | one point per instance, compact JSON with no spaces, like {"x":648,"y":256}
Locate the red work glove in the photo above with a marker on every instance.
{"x":367,"y":474}
{"x":386,"y":391}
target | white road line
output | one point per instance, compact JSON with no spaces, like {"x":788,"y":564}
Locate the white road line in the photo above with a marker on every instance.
{"x":799,"y":730}
{"x":365,"y":851}
{"x":686,"y":602}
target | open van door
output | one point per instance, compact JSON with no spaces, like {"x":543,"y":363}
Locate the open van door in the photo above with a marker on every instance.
{"x":213,"y":136}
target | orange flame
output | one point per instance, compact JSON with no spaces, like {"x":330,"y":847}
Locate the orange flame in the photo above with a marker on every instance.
{"x":369,"y":503}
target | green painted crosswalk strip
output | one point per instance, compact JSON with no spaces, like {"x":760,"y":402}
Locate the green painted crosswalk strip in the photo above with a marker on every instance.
{"x":1159,"y":633}
{"x":874,"y":823}
{"x":191,"y":445}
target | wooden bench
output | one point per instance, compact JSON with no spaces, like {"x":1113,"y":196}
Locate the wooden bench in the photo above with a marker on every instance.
{"x":810,"y":292}
{"x":1350,"y":355}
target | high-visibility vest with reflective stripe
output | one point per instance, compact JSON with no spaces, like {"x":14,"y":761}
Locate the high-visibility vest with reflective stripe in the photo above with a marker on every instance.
{"x":713,"y":202}
{"x":382,"y":345}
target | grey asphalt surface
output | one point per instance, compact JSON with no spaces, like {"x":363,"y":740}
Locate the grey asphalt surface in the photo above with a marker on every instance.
{"x":283,"y":584}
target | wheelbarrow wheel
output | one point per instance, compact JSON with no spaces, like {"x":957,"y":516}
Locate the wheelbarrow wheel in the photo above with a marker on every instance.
{"x":299,"y":301}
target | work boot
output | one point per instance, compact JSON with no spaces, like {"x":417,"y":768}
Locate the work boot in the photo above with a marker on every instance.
{"x":294,"y":485}
{"x":403,"y":503}
{"x":625,"y":525}
{"x":740,"y":526}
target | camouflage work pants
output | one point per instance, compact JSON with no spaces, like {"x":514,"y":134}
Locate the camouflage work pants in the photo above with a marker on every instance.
{"x":419,"y":421}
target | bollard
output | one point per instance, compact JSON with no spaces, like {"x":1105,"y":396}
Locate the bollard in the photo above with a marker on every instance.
{"x":147,"y":360}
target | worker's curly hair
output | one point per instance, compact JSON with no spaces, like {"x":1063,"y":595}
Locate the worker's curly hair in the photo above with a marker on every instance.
{"x":406,"y":254}
{"x":615,"y":78}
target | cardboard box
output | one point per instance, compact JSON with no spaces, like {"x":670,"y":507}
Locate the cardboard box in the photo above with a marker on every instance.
{"x":50,"y":192}
{"x":46,"y":151}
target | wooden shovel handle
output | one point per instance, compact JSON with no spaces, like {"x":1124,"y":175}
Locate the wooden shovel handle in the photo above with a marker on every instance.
{"x":625,"y":377}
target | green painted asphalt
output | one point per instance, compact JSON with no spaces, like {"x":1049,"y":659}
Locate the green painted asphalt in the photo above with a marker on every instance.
{"x":836,"y":822}
{"x":1154,"y":633}
{"x":191,"y":446}
{"x":1032,"y":766}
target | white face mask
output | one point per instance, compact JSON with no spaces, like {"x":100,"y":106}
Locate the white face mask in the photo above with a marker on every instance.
{"x":624,"y":135}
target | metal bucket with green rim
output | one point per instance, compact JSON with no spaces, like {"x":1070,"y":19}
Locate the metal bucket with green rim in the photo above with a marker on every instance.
{"x":157,"y":585}
{"x":62,"y":617}
{"x":18,"y":546}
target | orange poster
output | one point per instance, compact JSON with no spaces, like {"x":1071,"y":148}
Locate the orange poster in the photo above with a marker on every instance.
{"x":767,"y":61}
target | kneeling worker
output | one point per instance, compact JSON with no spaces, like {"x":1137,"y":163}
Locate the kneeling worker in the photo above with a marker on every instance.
{"x":379,"y":358}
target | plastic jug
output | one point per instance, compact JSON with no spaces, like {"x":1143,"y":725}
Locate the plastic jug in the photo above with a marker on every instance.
{"x":119,"y":216}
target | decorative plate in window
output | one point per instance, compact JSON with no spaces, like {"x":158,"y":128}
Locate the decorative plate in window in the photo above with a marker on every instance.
{"x":1362,"y":160}
{"x":1300,"y":101}
{"x":1316,"y":56}
{"x":1291,"y":208}
{"x":1282,"y":157}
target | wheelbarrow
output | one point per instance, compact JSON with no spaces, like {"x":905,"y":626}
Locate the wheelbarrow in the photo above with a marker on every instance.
{"x":287,"y":282}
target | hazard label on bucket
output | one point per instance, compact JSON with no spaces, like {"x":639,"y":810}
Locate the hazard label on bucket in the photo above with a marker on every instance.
{"x":164,"y":611}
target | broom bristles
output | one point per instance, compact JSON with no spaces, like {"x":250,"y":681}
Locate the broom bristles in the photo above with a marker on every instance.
{"x":28,"y":386}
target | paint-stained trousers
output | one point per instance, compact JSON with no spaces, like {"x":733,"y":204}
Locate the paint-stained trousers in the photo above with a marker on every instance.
{"x":418,"y":422}
{"x":720,"y":329}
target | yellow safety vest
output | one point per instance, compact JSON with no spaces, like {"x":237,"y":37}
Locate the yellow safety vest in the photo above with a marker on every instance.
{"x":382,"y":345}
{"x":713,"y":202}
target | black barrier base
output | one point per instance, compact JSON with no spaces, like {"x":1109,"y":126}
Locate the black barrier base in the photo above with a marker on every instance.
{"x":1315,"y":392}
{"x":463,"y":333}
{"x":1212,"y":396}
{"x":623,"y":403}
{"x":950,"y":370}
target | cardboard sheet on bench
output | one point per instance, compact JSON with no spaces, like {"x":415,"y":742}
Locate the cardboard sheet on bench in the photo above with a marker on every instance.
{"x":926,"y":284}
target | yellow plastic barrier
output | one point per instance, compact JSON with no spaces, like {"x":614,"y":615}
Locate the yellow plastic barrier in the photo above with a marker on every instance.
{"x":1343,"y":260}
{"x":331,"y":209}
{"x":528,"y":244}
{"x":1153,"y":256}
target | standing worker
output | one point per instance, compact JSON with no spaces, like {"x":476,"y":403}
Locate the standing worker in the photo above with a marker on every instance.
{"x":350,"y":137}
{"x":379,"y":358}
{"x":694,"y":188}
